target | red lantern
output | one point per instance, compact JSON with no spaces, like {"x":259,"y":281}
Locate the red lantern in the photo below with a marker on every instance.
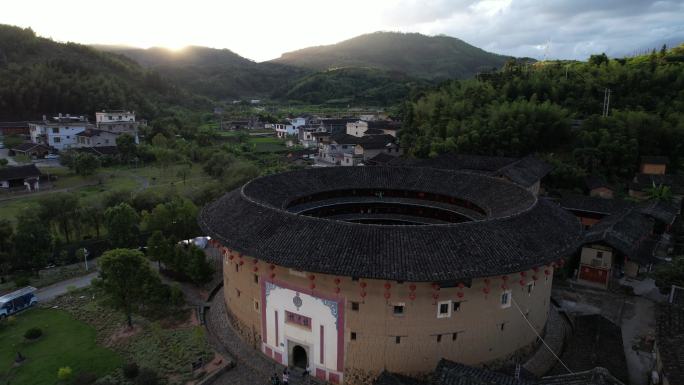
{"x":435,"y":295}
{"x":363,"y":294}
{"x":535,"y":269}
{"x":435,"y":286}
{"x":387,"y":295}
{"x":231,"y":257}
{"x":337,"y":281}
{"x":272,"y":267}
{"x":241,"y":262}
{"x":461,"y":285}
{"x":486,"y":281}
{"x":522,"y":282}
{"x":546,"y":272}
{"x":485,"y":290}
{"x":387,"y":285}
{"x":255,"y":261}
{"x":312,"y":277}
{"x":312,"y":286}
{"x":272,"y":275}
{"x":363,"y":285}
{"x":255,"y":269}
{"x":459,"y":294}
{"x":412,"y":296}
{"x":523,"y":273}
{"x":412,"y":287}
{"x":337,"y":290}
{"x":504,"y":277}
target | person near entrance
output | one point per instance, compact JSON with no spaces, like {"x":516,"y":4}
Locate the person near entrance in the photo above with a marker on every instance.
{"x":286,"y":377}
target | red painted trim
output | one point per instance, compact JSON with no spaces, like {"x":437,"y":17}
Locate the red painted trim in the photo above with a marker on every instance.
{"x":320,"y":373}
{"x":340,"y":313}
{"x":264,"y":329}
{"x":322,"y":352}
{"x":269,"y":352}
{"x":278,"y":357}
{"x":334,"y":378}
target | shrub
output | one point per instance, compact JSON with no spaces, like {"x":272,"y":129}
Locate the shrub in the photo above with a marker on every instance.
{"x":33,"y":333}
{"x":85,"y":378}
{"x":64,"y":373}
{"x":21,"y":281}
{"x":131,"y":370}
{"x":147,"y":377}
{"x":107,"y":380}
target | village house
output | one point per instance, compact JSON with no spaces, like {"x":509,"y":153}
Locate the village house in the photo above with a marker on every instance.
{"x":14,"y":128}
{"x":376,"y":127}
{"x":598,"y":187}
{"x":31,"y":150}
{"x":20,"y":177}
{"x":306,"y":135}
{"x":59,"y":132}
{"x":92,"y":137}
{"x":590,"y":210}
{"x":652,"y":174}
{"x":368,"y":147}
{"x":284,"y":129}
{"x":118,"y":122}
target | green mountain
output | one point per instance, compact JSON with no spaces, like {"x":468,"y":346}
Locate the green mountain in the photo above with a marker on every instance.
{"x":40,"y":76}
{"x":358,"y":86}
{"x":216,"y":73}
{"x":429,"y":57}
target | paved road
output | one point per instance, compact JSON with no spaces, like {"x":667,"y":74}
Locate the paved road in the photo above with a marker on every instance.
{"x":50,"y":292}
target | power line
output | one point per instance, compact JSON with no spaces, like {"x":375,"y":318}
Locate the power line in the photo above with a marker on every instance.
{"x":540,"y":337}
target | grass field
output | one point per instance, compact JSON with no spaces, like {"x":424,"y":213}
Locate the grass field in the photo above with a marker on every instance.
{"x":267,"y":144}
{"x":65,"y":342}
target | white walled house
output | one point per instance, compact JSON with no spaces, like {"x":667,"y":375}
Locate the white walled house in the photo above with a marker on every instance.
{"x":114,"y":116}
{"x":92,"y":137}
{"x":285,"y":129}
{"x":59,"y":132}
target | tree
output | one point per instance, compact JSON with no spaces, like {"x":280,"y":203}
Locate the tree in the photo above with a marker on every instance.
{"x":598,"y":59}
{"x":121,"y":222}
{"x":176,"y":219}
{"x":668,"y":274}
{"x":6,"y":234}
{"x":123,"y":279}
{"x":85,"y":164}
{"x":32,"y":241}
{"x":3,"y":162}
{"x":197,"y":268}
{"x":125,"y":143}
{"x":60,"y":208}
{"x":159,"y":248}
{"x":659,"y":193}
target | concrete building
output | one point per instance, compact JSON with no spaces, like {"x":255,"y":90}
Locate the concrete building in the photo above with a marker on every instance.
{"x":114,"y":116}
{"x":350,"y":271}
{"x":92,"y":137}
{"x":285,"y":129}
{"x":59,"y":132}
{"x":20,"y":178}
{"x":118,"y":122}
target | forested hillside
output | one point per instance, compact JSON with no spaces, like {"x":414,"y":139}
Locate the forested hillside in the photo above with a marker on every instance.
{"x":359,"y":86}
{"x":555,"y":108}
{"x":428,"y":57}
{"x":39,"y":76}
{"x":216,"y":73}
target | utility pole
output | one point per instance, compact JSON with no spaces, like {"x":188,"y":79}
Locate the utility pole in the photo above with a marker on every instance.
{"x":606,"y":102}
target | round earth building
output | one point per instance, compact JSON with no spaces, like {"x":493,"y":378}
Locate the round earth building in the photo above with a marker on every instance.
{"x":349,"y":271}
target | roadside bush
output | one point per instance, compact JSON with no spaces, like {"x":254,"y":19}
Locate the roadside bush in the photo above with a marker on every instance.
{"x":33,"y":333}
{"x":21,"y":281}
{"x":85,"y":378}
{"x":107,"y":380}
{"x":130,"y":370}
{"x":147,"y":377}
{"x":64,"y":373}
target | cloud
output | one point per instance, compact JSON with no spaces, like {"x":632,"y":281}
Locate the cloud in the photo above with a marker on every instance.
{"x":571,"y":29}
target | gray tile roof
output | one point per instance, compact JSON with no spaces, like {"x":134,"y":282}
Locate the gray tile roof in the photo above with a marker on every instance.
{"x":628,"y":232}
{"x":596,"y":205}
{"x":19,"y":172}
{"x":519,"y":232}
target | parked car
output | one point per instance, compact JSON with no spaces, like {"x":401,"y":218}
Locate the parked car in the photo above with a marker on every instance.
{"x":17,"y":301}
{"x":52,"y":156}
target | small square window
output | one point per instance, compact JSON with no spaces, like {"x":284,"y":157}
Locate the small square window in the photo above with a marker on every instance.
{"x":444,"y":309}
{"x":237,"y":267}
{"x":599,"y":254}
{"x":439,"y":338}
{"x":530,"y":286}
{"x":355,"y":306}
{"x":256,"y":278}
{"x":398,"y":309}
{"x":352,"y":336}
{"x":506,"y":299}
{"x":397,"y":339}
{"x":256,"y":305}
{"x":454,"y":336}
{"x":502,"y":326}
{"x":237,"y":293}
{"x":456,"y":306}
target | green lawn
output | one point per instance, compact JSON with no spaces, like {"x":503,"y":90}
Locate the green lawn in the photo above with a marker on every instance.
{"x":267,"y":144}
{"x":65,"y":342}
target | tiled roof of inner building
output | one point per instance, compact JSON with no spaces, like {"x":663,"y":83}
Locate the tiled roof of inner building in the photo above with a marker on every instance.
{"x":518,"y":233}
{"x":598,"y":205}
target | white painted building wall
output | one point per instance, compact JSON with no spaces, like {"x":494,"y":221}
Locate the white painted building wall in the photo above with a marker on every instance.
{"x":114,"y":116}
{"x":321,"y":312}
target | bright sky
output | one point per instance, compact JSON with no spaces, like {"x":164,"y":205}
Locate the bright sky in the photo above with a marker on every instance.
{"x":263,"y":29}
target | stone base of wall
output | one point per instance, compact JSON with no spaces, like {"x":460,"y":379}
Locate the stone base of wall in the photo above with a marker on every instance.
{"x":248,"y":334}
